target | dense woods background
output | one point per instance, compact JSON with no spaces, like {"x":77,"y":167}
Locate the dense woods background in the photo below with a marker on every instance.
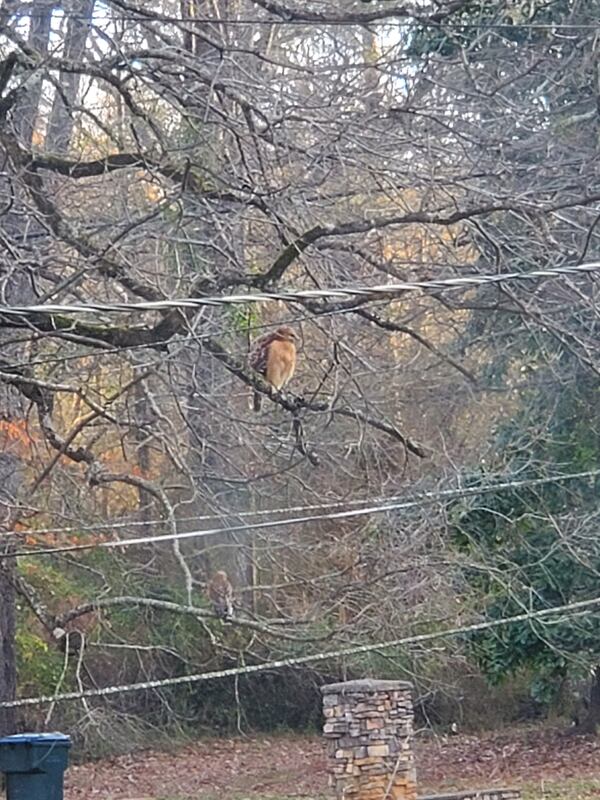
{"x":165,"y":150}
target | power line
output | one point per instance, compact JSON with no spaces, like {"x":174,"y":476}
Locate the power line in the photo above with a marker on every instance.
{"x":425,"y":499}
{"x":191,"y":337}
{"x":106,"y":691}
{"x":432,"y":496}
{"x":389,"y":290}
{"x":198,"y":518}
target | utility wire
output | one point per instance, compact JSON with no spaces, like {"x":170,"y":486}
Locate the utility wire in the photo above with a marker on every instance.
{"x":389,"y":290}
{"x":106,"y":691}
{"x":174,"y":340}
{"x":198,"y":518}
{"x":425,"y":499}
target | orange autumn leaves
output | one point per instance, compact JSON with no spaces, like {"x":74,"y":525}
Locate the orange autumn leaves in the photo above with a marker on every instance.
{"x":46,"y":471}
{"x":14,"y":437}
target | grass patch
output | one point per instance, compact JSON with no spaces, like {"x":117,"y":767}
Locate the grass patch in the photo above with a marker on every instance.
{"x":560,"y":789}
{"x":574,"y":789}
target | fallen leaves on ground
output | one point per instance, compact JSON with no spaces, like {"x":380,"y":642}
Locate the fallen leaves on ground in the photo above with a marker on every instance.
{"x":511,"y":758}
{"x":296,"y":766}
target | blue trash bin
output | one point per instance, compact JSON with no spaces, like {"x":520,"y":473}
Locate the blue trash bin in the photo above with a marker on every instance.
{"x":34,"y":765}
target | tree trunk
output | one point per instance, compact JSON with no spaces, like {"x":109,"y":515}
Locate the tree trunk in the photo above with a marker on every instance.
{"x":590,"y":722}
{"x":8,"y":673}
{"x":9,"y":482}
{"x":224,"y":550}
{"x":142,"y":414}
{"x":16,"y":288}
{"x":60,"y":125}
{"x":39,"y":36}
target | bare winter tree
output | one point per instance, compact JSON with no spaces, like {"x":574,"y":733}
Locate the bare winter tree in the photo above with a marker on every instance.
{"x":158,"y":151}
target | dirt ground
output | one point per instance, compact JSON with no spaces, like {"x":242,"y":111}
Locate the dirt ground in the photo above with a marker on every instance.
{"x":295,"y":766}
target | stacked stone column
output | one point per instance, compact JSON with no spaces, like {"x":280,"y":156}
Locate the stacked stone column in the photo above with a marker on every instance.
{"x":369,"y":728}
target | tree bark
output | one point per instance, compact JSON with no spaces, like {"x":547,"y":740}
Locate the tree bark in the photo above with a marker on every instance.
{"x":9,"y":481}
{"x":60,"y":125}
{"x":39,"y":36}
{"x":590,"y":722}
{"x":16,"y":288}
{"x":8,"y":673}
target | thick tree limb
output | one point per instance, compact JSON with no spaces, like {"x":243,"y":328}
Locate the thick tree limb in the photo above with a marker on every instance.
{"x":404,"y":11}
{"x":174,"y":608}
{"x":52,"y":217}
{"x":101,"y":335}
{"x":119,"y":161}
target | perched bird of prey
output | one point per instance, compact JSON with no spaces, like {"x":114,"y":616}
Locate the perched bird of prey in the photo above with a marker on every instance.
{"x":274,"y":357}
{"x":220,"y":593}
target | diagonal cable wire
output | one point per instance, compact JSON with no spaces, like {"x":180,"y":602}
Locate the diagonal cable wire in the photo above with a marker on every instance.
{"x":425,"y":499}
{"x":388,"y":291}
{"x":568,"y":608}
{"x":501,"y":480}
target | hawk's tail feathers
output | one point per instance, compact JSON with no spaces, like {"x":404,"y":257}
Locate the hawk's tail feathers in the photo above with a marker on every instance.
{"x":224,"y":609}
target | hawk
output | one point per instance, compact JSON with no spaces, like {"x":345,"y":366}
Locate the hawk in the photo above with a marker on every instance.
{"x":274,"y":357}
{"x":220,"y":593}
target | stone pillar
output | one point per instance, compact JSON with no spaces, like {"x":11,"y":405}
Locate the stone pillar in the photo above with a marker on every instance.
{"x":369,"y":727}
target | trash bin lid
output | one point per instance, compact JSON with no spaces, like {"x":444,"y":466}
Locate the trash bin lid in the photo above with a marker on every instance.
{"x":37,"y":738}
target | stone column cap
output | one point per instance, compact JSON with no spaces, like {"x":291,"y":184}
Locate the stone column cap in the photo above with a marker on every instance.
{"x":365,"y":686}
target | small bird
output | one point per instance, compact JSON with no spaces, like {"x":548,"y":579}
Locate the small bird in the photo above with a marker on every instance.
{"x":220,"y":592}
{"x":274,"y":357}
